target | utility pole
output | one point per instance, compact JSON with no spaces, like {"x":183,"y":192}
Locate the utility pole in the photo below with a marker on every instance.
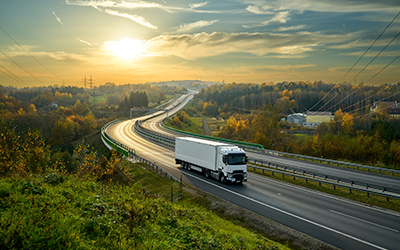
{"x":91,"y":87}
{"x":84,"y":82}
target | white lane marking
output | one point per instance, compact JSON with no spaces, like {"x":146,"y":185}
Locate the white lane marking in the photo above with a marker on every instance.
{"x":290,"y":214}
{"x":365,"y":221}
{"x":381,"y":210}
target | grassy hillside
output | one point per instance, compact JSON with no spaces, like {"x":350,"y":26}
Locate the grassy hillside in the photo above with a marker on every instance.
{"x":58,"y":210}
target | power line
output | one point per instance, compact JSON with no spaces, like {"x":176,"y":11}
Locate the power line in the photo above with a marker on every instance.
{"x":371,"y":45}
{"x":366,"y":98}
{"x":323,"y":97}
{"x":11,"y":75}
{"x":333,"y":97}
{"x":346,"y":97}
{"x":383,"y":68}
{"x":20,"y":66}
{"x":367,"y":64}
{"x":377,"y":55}
{"x":30,"y":54}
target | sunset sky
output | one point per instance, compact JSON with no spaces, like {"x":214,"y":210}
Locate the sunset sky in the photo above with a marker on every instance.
{"x":251,"y":41}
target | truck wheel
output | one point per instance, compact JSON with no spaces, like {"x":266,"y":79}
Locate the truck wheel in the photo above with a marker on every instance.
{"x":189,"y":167}
{"x":222,"y":178}
{"x":207,"y":173}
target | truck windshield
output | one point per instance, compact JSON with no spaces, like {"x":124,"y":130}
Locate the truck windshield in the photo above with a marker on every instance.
{"x":237,"y":159}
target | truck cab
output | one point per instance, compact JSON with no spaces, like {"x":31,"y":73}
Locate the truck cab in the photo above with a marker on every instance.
{"x":233,"y":165}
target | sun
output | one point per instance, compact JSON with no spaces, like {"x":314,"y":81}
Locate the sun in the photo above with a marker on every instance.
{"x":127,"y":48}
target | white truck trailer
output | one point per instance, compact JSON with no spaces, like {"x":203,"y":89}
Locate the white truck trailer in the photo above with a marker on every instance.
{"x":220,"y":161}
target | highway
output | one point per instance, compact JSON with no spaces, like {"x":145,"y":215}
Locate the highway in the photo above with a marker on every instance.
{"x":315,"y":167}
{"x":339,"y":222}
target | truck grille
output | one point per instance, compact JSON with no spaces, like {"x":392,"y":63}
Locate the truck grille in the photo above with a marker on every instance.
{"x":237,"y":171}
{"x":238,"y":177}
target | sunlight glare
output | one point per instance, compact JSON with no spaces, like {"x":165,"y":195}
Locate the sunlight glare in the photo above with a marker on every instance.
{"x":127,"y":48}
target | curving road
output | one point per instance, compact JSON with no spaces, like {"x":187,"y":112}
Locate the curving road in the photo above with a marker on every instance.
{"x":342,"y":223}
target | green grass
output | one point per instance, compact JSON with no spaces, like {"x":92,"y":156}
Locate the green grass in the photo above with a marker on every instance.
{"x":97,"y":99}
{"x":373,"y":200}
{"x":215,"y":125}
{"x":64,"y":211}
{"x":194,"y":126}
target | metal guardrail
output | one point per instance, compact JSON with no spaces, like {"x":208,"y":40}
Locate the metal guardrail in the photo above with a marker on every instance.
{"x":154,"y":136}
{"x":333,"y":162}
{"x":130,"y":152}
{"x":331,"y":179}
{"x":367,"y":190}
{"x":260,"y":148}
{"x":299,"y":173}
{"x":239,"y":143}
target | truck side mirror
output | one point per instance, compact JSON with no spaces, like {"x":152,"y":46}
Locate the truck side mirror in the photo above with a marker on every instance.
{"x":224,"y":159}
{"x":245,"y":159}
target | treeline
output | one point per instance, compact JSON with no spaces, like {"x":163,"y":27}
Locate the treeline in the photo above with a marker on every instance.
{"x":67,"y":114}
{"x":255,"y":113}
{"x":304,"y":96}
{"x":135,"y":100}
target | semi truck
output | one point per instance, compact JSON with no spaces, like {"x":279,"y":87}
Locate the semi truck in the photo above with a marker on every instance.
{"x":221,"y":161}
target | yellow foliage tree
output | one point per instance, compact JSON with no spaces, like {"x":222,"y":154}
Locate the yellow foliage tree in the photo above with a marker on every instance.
{"x":347,"y":124}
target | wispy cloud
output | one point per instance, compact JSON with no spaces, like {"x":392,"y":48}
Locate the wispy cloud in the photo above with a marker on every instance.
{"x":195,"y":26}
{"x":200,"y":45}
{"x":262,"y":10}
{"x":280,"y":17}
{"x":83,"y":41}
{"x":343,"y":6}
{"x":138,"y":5}
{"x":198,"y":5}
{"x":294,"y":27}
{"x":114,"y":4}
{"x":138,"y":19}
{"x":57,"y":18}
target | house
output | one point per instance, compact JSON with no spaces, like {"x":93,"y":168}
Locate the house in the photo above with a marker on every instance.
{"x":53,"y":105}
{"x":297,"y":118}
{"x":314,"y":118}
{"x":393,"y":108}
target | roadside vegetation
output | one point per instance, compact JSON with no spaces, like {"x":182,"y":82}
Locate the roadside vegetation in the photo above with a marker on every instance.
{"x":102,"y":202}
{"x":257,"y":113}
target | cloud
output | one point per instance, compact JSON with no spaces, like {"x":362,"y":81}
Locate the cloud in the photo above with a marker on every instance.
{"x":113,"y":4}
{"x":297,"y":27}
{"x":200,"y":45}
{"x":330,"y":6}
{"x":198,"y":5}
{"x":259,"y":10}
{"x":57,"y":18}
{"x":83,"y":41}
{"x":138,"y":19}
{"x":195,"y":26}
{"x":97,"y":4}
{"x":280,"y":17}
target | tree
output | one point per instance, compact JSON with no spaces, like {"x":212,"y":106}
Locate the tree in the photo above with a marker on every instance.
{"x":348,"y":124}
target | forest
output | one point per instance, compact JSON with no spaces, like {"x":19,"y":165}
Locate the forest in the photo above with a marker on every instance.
{"x":65,"y":115}
{"x":256,"y":113}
